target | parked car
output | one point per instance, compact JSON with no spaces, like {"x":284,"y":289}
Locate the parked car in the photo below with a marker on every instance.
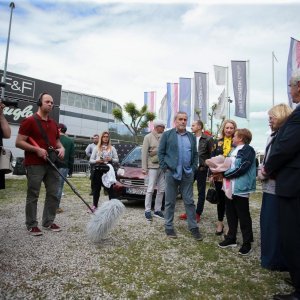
{"x":130,"y":183}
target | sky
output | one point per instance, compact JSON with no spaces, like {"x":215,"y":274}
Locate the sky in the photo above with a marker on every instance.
{"x":121,"y":49}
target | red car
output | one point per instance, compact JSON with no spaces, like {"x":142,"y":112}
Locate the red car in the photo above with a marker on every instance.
{"x":130,"y":183}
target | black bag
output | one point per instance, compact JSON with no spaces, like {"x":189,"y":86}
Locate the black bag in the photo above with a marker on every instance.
{"x":212,"y":196}
{"x":52,"y":154}
{"x":103,"y":168}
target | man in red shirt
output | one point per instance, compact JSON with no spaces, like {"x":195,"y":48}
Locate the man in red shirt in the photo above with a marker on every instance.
{"x":37,"y":168}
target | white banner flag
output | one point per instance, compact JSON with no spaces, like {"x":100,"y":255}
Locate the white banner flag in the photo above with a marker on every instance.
{"x":220,"y":75}
{"x":221,"y":107}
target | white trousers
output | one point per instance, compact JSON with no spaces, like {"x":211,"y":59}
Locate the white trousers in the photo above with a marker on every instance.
{"x":156,"y":177}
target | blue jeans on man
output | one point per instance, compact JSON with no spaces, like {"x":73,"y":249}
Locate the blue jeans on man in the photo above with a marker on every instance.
{"x":186,"y":188}
{"x":64,"y":172}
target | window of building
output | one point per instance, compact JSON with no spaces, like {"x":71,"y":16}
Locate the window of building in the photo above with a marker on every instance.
{"x":97,"y":104}
{"x":85,"y":101}
{"x":78,"y":102}
{"x":104,"y":106}
{"x":64,"y":98}
{"x":109,"y":107}
{"x":91,"y":103}
{"x":71,"y":99}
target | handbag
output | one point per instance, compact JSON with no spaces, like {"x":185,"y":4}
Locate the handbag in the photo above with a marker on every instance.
{"x":211,"y":195}
{"x":5,"y":161}
{"x":103,"y":168}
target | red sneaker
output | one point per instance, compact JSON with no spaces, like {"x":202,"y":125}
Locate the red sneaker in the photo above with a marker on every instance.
{"x":35,"y":231}
{"x":183,"y":217}
{"x":53,"y":227}
{"x":198,"y":217}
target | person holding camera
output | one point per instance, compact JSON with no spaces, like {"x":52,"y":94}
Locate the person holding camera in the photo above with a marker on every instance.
{"x":44,"y":131}
{"x":103,"y":154}
{"x":5,"y":133}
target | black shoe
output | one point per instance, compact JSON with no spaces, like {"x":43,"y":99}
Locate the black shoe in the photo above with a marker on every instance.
{"x":291,"y":296}
{"x":227,"y":243}
{"x":171,"y":233}
{"x":245,"y":249}
{"x":289,"y":281}
{"x":196,"y":234}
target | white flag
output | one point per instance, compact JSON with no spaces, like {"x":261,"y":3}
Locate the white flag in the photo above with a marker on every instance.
{"x":221,"y":107}
{"x":162,"y":113}
{"x":220,"y":75}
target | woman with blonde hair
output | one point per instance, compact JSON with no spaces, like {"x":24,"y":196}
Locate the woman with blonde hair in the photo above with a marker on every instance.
{"x":222,"y":146}
{"x":271,"y":257}
{"x":103,"y":153}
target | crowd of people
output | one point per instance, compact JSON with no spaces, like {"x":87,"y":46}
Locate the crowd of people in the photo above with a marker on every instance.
{"x":171,"y":162}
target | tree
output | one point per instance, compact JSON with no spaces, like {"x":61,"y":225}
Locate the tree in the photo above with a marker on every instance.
{"x":139,"y":118}
{"x":211,"y":115}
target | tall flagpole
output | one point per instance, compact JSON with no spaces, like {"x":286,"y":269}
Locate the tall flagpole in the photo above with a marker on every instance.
{"x":227,"y":88}
{"x":12,"y":6}
{"x":207,"y":108}
{"x":273,"y":77}
{"x":248,"y":92}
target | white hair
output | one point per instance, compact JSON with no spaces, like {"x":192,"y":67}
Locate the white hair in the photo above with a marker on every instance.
{"x":295,"y":78}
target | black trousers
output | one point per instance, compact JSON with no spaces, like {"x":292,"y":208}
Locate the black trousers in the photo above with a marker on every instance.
{"x":237,"y":210}
{"x":200,"y":176}
{"x":289,"y":230}
{"x":96,"y":187}
{"x":221,"y":197}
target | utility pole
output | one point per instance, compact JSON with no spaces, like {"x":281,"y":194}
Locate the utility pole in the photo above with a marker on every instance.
{"x":3,"y":81}
{"x":229,"y":102}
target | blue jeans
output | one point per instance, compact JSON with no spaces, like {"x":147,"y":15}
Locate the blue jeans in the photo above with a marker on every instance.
{"x":64,"y":172}
{"x":186,"y":188}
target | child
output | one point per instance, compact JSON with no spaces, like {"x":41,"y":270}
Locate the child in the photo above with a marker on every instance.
{"x":242,"y":180}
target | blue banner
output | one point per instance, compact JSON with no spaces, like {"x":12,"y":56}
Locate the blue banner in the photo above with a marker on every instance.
{"x":185,"y":99}
{"x":239,"y":81}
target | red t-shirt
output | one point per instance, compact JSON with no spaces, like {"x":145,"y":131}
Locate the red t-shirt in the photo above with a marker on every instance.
{"x":29,"y":127}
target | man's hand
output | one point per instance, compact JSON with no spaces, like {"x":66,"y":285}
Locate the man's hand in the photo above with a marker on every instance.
{"x":60,"y":152}
{"x":145,"y":172}
{"x":41,"y":153}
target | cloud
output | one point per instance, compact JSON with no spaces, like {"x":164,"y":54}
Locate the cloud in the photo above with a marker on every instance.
{"x":259,"y":115}
{"x":120,"y":50}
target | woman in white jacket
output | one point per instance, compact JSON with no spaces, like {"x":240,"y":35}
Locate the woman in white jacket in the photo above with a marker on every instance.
{"x":103,"y":153}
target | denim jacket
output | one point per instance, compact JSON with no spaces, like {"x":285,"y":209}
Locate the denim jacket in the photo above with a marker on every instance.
{"x":168,"y":150}
{"x":244,"y":171}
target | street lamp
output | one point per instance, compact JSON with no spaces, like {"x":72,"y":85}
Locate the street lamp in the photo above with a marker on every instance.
{"x":229,"y":102}
{"x":12,"y":6}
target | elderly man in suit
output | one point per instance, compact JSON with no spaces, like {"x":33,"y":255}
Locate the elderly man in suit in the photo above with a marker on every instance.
{"x":178,"y":158}
{"x":284,"y":163}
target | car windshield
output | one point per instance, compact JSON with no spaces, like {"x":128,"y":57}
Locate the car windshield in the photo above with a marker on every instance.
{"x":134,"y":158}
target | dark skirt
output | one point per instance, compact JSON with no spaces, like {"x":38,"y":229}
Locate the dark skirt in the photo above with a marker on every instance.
{"x":2,"y":181}
{"x":271,"y":256}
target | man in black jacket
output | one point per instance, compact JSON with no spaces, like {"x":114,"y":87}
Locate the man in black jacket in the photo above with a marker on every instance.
{"x":204,"y":148}
{"x":284,"y":163}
